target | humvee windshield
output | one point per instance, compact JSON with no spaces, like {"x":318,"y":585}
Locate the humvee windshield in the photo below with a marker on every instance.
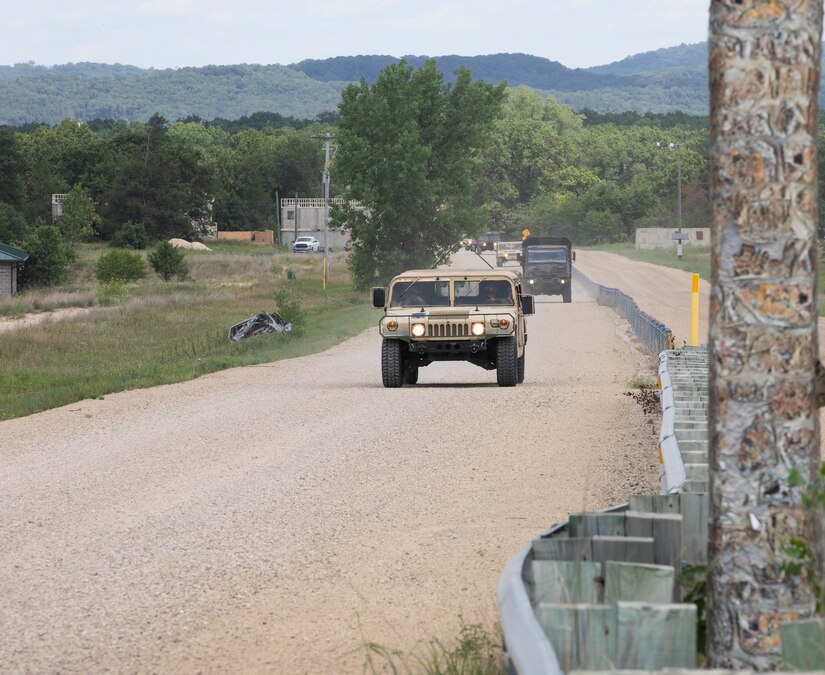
{"x":485,"y":292}
{"x":547,"y":255}
{"x":421,"y":294}
{"x":437,"y":293}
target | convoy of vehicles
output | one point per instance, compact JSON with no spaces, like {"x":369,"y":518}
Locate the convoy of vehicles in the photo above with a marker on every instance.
{"x":547,"y":263}
{"x":487,"y":242}
{"x":453,"y":315}
{"x":507,"y":251}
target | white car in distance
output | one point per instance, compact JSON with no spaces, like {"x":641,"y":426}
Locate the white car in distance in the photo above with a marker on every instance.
{"x":306,"y":245}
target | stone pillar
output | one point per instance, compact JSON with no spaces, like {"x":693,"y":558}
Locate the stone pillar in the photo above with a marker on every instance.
{"x":764,"y":74}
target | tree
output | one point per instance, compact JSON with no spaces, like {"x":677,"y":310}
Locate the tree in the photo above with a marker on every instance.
{"x":168,"y":261}
{"x":407,"y":149}
{"x":79,"y":216}
{"x":764,"y":422}
{"x":50,"y":256}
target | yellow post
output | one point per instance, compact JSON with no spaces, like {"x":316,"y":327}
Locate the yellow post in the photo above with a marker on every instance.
{"x":694,"y":312}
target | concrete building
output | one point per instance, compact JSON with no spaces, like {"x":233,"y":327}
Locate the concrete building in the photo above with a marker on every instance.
{"x":662,"y":237}
{"x":305,"y":216}
{"x":10,"y":260}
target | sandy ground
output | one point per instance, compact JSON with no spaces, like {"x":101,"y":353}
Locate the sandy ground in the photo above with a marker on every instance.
{"x":274,"y":519}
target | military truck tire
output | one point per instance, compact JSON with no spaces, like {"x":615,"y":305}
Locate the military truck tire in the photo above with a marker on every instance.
{"x":521,"y":367}
{"x":567,"y":294}
{"x":411,"y":375}
{"x":392,"y":364}
{"x":506,"y":362}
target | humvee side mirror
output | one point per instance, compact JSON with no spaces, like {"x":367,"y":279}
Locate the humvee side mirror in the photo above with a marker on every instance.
{"x":528,"y":304}
{"x":574,"y":256}
{"x":379,"y":297}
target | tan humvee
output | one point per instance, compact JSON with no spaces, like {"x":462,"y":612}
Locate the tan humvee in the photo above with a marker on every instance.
{"x":453,"y":315}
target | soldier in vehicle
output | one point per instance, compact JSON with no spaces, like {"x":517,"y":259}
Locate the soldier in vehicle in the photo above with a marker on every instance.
{"x":496,"y":293}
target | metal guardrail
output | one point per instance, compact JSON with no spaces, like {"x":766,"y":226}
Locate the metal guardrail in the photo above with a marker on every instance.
{"x":683,"y":440}
{"x":653,"y":334}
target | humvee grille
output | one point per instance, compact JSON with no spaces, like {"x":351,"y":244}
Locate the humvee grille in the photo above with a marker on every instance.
{"x":448,"y":330}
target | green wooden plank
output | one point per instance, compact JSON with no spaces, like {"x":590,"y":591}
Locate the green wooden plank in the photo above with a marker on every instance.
{"x":582,"y":635}
{"x":695,"y":517}
{"x":626,"y":549}
{"x":803,"y":644}
{"x":650,"y":637}
{"x":563,"y":548}
{"x":596,"y":636}
{"x":563,"y":582}
{"x":666,"y":531}
{"x":590,"y":524}
{"x":637,"y":583}
{"x":559,"y":623}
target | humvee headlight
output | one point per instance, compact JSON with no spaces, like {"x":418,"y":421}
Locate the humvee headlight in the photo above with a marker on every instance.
{"x":418,"y":329}
{"x":392,"y":325}
{"x":477,"y":328}
{"x":503,"y":323}
{"x":532,"y":281}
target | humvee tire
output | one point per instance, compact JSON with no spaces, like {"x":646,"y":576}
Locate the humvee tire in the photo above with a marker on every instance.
{"x":521,"y":368}
{"x":506,"y":362}
{"x":567,"y":294}
{"x":392,"y":364}
{"x":411,"y":375}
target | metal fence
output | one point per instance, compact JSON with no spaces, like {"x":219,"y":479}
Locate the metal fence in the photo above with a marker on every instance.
{"x":652,"y":334}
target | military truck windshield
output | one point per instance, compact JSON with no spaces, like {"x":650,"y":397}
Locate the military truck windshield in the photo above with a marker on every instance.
{"x":483,"y":292}
{"x":421,"y":294}
{"x":547,"y":255}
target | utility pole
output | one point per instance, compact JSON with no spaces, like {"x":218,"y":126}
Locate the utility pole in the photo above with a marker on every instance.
{"x":763,"y":417}
{"x":326,"y":208}
{"x":678,"y":237}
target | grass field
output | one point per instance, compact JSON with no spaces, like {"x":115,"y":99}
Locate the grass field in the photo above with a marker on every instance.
{"x":154,"y":332}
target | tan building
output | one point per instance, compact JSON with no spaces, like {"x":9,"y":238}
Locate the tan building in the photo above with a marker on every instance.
{"x":662,"y":237}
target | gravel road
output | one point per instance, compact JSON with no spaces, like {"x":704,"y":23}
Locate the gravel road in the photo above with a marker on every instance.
{"x":273,"y":519}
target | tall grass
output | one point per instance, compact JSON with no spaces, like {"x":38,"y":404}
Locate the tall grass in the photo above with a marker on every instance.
{"x":159,"y":333}
{"x":476,"y":651}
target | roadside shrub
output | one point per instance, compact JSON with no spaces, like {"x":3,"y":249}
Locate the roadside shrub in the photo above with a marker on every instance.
{"x":131,"y":235}
{"x":50,"y":256}
{"x":290,"y":310}
{"x":120,"y":265}
{"x":168,"y":261}
{"x":111,"y":291}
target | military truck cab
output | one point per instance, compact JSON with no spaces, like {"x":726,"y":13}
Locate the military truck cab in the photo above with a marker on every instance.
{"x":453,"y":315}
{"x":548,"y":266}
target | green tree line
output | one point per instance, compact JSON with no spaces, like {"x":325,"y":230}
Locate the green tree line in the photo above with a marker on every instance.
{"x":431,"y":160}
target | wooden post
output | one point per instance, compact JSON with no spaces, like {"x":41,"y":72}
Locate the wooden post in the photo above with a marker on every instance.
{"x":764,"y":74}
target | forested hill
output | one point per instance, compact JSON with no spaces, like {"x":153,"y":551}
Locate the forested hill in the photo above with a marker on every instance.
{"x":666,"y":80}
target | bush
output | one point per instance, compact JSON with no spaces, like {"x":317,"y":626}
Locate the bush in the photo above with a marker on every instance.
{"x":131,"y":235}
{"x":111,"y":291}
{"x":168,"y":261}
{"x":289,"y":309}
{"x":120,"y":265}
{"x":50,"y":256}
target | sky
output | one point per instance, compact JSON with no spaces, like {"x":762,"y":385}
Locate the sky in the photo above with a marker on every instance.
{"x":179,"y":33}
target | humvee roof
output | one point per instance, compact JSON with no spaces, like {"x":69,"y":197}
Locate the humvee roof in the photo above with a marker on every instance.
{"x":512,"y":274}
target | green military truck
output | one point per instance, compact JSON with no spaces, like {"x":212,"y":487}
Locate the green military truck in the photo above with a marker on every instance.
{"x":548,"y":266}
{"x":453,"y":315}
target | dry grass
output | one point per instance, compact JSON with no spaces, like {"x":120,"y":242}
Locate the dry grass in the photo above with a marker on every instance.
{"x":156,"y":332}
